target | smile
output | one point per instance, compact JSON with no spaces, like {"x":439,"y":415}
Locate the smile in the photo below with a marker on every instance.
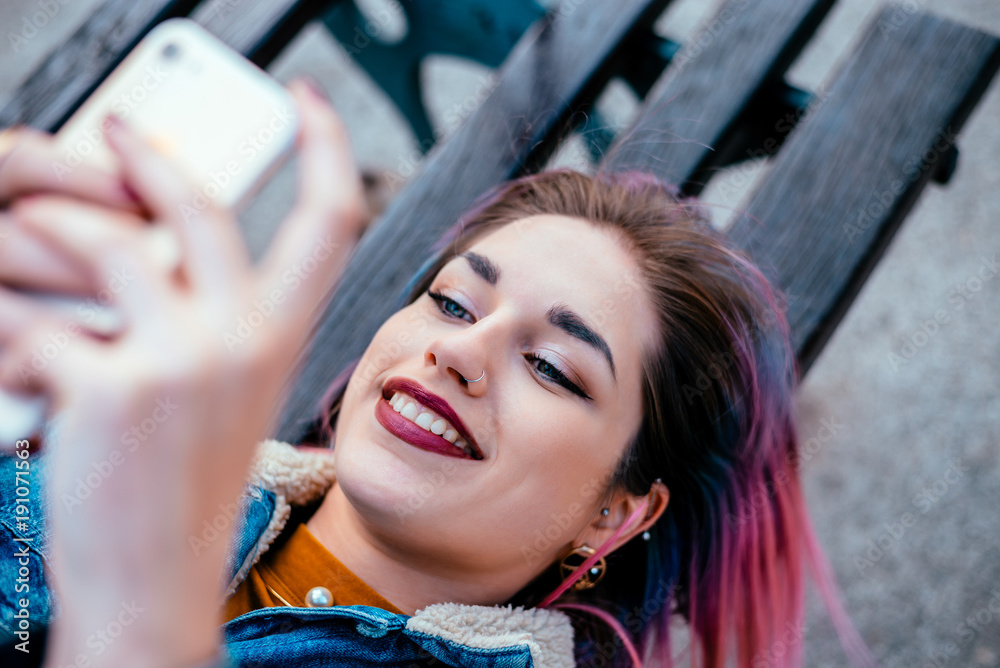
{"x":409,"y":419}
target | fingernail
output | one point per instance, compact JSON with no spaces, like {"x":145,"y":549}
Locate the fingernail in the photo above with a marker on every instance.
{"x":115,"y":123}
{"x":128,"y":192}
{"x":314,"y":87}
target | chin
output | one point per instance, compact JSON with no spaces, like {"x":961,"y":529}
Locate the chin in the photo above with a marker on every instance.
{"x":380,"y":484}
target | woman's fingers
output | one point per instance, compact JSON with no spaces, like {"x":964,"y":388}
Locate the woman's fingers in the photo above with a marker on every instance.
{"x":329,"y":182}
{"x":214,"y":252}
{"x":308,"y":252}
{"x":129,"y":263}
{"x":16,"y":309}
{"x":28,"y":262}
{"x":44,"y":357}
{"x":33,"y":163}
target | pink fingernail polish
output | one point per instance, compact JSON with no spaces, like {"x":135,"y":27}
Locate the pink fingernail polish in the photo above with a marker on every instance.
{"x":128,"y":192}
{"x":114,"y":122}
{"x":315,"y":88}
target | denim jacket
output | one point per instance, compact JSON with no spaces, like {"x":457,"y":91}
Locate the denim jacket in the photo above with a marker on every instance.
{"x":281,"y":478}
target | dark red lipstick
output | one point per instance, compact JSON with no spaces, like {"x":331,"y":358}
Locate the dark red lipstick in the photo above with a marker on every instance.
{"x":415,"y":435}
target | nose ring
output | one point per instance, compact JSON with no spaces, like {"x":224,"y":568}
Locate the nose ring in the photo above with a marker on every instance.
{"x":477,"y":379}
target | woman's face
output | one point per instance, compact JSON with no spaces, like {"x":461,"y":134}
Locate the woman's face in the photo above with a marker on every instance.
{"x":544,"y":306}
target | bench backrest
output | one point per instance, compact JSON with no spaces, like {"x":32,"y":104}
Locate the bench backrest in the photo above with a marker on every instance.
{"x":841,"y":183}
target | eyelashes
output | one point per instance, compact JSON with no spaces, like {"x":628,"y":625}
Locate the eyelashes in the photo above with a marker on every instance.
{"x":445,"y":302}
{"x":452,"y":308}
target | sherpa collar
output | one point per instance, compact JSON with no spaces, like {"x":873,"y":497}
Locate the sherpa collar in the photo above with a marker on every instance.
{"x":297,"y":476}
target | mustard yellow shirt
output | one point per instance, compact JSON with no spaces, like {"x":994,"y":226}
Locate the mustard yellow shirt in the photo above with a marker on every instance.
{"x":290,"y":572}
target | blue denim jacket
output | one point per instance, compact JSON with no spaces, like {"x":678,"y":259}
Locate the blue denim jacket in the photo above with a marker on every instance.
{"x":281,"y":477}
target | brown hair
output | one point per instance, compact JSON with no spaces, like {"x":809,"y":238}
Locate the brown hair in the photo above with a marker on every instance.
{"x":728,"y":553}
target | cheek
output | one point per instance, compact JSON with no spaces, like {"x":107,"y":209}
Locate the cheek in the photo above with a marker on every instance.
{"x":542,"y":434}
{"x":401,"y":337}
{"x":553,"y":464}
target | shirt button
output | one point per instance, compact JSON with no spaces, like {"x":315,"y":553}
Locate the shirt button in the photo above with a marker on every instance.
{"x":319,"y":597}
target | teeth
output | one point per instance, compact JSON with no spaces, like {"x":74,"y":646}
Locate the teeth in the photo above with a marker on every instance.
{"x":427,"y":420}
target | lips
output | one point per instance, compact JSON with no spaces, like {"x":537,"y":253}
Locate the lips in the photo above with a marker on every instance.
{"x":414,"y":434}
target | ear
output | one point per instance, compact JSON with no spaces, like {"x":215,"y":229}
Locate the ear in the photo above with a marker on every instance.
{"x":620,"y":508}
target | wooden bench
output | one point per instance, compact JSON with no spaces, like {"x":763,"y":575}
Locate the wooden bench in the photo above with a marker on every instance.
{"x":849,"y":162}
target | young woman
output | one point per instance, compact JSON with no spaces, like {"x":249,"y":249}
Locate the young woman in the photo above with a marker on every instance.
{"x":576,"y":426}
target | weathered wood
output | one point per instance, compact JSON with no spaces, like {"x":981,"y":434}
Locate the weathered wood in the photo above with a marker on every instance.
{"x":73,"y":70}
{"x":692,"y":113}
{"x":849,"y":175}
{"x":557,"y":66}
{"x":258,"y":29}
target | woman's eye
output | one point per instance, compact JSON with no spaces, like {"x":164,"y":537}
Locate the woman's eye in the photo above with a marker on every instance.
{"x":447,"y":305}
{"x":452,"y":308}
{"x":551,"y":371}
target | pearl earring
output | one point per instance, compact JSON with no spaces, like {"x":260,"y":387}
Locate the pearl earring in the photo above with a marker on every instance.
{"x":645,"y":535}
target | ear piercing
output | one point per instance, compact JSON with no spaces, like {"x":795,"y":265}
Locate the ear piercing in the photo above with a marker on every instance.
{"x":607,"y":511}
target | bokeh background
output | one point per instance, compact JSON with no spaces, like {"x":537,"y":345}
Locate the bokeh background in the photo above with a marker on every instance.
{"x":882,"y":440}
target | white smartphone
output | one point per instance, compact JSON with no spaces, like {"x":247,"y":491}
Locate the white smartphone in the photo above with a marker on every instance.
{"x":218,"y":116}
{"x":222,"y":120}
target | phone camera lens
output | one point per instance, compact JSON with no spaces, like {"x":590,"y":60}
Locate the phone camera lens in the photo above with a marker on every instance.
{"x":171,"y":51}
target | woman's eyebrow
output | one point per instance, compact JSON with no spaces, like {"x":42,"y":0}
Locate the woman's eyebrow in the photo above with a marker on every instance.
{"x":571,"y":323}
{"x":483,"y":266}
{"x":558,"y":315}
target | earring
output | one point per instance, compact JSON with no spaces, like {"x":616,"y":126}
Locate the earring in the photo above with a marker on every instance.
{"x":593,"y":574}
{"x":645,"y":535}
{"x":605,"y":511}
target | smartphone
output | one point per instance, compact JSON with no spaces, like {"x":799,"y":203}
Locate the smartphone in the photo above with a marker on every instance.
{"x":225,"y":123}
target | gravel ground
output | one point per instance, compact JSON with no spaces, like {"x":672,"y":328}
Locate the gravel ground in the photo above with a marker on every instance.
{"x":904,"y":482}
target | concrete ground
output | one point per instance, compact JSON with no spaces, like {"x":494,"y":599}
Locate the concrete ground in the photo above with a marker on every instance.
{"x":904,"y":483}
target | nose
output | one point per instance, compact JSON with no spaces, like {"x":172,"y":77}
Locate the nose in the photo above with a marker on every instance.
{"x":464,"y":356}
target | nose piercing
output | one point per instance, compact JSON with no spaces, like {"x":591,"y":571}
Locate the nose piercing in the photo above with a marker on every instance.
{"x":477,"y":379}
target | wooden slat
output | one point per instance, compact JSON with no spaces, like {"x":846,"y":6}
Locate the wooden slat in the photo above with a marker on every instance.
{"x":258,"y":29}
{"x":850,"y":173}
{"x":64,"y":79}
{"x":556,"y":66}
{"x":692,"y":111}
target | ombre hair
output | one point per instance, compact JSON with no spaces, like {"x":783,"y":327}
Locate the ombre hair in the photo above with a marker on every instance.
{"x":730,"y":552}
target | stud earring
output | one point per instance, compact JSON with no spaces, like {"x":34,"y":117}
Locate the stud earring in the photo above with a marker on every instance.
{"x":593,"y":574}
{"x":645,"y":535}
{"x":605,"y":511}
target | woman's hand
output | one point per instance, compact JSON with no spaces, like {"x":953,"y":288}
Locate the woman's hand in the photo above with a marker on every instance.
{"x":168,"y":411}
{"x":26,"y":159}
